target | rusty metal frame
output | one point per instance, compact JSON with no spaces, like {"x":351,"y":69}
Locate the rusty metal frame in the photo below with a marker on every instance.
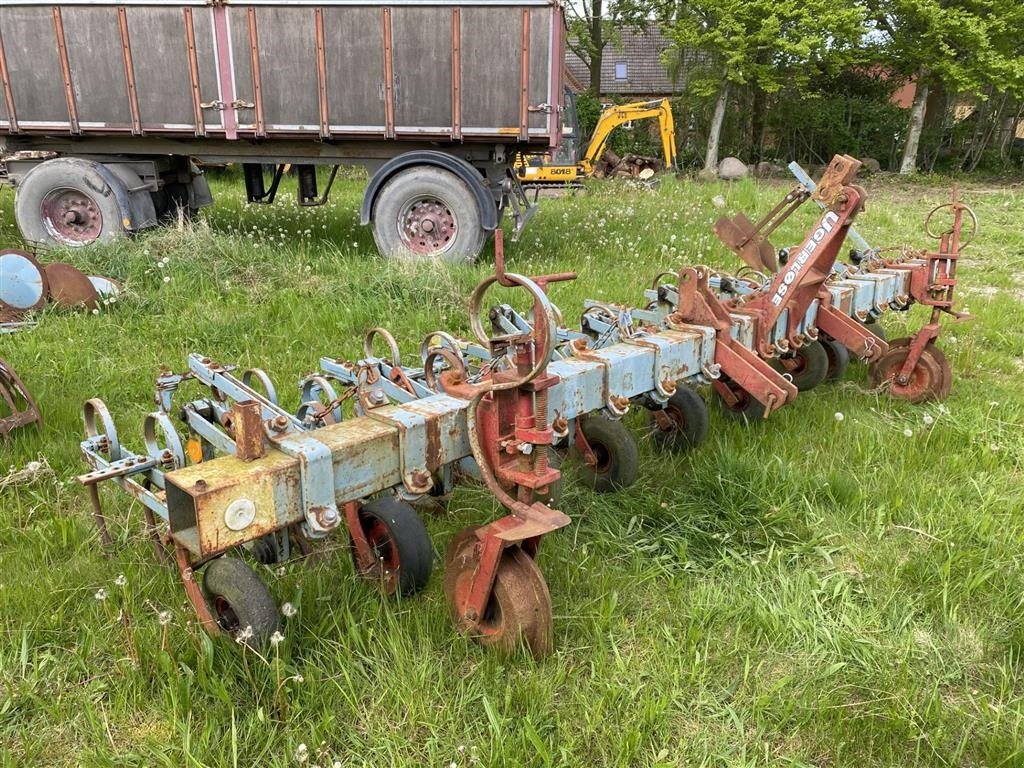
{"x":65,"y":69}
{"x":129,"y":71}
{"x":321,"y":74}
{"x":524,"y":77}
{"x":5,"y":81}
{"x":456,"y":73}
{"x":389,"y":75}
{"x":193,"y":72}
{"x":257,"y":78}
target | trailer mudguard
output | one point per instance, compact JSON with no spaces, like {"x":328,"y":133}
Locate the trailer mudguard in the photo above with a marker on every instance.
{"x":484,"y":199}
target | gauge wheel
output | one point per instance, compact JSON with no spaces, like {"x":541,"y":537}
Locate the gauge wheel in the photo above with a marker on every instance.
{"x":401,"y":546}
{"x":240,"y":601}
{"x":615,"y":448}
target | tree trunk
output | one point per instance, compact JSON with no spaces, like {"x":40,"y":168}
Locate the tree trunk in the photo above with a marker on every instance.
{"x":757,"y":127}
{"x":715,"y":132}
{"x":596,"y":46}
{"x":916,"y":123}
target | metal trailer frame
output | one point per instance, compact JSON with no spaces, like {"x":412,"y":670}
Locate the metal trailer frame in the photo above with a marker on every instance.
{"x":148,"y":85}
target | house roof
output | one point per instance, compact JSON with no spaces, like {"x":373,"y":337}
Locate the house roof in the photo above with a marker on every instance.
{"x":640,"y":51}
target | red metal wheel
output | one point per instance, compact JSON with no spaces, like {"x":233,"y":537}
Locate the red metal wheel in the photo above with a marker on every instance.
{"x":427,"y":226}
{"x":71,"y":216}
{"x":930,"y":379}
{"x":519,"y":610}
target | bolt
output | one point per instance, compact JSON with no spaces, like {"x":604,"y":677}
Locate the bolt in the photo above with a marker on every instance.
{"x":669,"y":386}
{"x":620,"y":402}
{"x":420,"y":478}
{"x":377,"y":396}
{"x":200,"y":486}
{"x":278,"y":423}
{"x":330,"y":515}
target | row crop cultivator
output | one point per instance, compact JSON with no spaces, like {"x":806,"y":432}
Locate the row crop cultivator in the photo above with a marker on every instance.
{"x":372,"y":437}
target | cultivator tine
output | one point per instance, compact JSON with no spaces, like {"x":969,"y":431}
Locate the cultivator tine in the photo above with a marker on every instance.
{"x":17,"y":408}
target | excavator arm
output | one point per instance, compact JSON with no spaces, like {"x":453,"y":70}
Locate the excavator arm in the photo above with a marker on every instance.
{"x":617,"y":115}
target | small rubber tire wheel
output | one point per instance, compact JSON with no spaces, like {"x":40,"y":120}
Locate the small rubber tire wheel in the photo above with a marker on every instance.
{"x":519,"y":611}
{"x":838,"y":358}
{"x":238,"y":599}
{"x":618,"y":460}
{"x":405,"y":557}
{"x":807,"y":366}
{"x":426,"y":194}
{"x":683,"y":423}
{"x":746,"y":410}
{"x":876,"y":328}
{"x":72,"y":184}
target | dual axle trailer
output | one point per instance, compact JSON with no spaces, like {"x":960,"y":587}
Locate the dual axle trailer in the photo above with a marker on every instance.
{"x":109,"y":110}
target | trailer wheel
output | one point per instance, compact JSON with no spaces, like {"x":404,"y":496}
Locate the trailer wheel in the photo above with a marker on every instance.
{"x":807,"y":366}
{"x":426,"y":212}
{"x":838,"y":358}
{"x":930,"y":379}
{"x":683,"y":423}
{"x":239,"y":600}
{"x":401,"y":545}
{"x":66,"y":201}
{"x":615,"y":448}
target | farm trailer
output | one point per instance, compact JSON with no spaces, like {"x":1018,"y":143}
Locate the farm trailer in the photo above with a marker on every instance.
{"x":106,"y":108}
{"x":371,"y":436}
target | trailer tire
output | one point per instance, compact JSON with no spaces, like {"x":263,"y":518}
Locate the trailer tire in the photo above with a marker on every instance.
{"x":838,"y":358}
{"x":239,"y":599}
{"x":83,"y":192}
{"x":876,"y":328}
{"x":426,"y":212}
{"x":618,"y":460}
{"x":747,"y":410}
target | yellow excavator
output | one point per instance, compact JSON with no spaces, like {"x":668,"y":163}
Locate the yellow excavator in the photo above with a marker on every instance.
{"x":567,"y":165}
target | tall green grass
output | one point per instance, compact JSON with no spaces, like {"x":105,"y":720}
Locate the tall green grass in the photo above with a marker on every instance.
{"x":808,"y":592}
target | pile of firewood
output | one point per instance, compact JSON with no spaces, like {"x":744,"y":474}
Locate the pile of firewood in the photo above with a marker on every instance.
{"x":629,"y":166}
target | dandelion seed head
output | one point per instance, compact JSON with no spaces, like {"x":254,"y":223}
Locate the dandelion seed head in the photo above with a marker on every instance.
{"x":288,"y":610}
{"x":908,"y":432}
{"x":167,"y":278}
{"x":244,"y":635}
{"x":120,"y":581}
{"x":101,"y":594}
{"x":164,"y":617}
{"x":276,"y":638}
{"x":839,"y":416}
{"x":928,"y":420}
{"x":301,"y":753}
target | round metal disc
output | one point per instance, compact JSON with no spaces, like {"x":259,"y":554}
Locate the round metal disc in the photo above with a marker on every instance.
{"x":69,"y":287}
{"x":105,"y":287}
{"x":23,"y":282}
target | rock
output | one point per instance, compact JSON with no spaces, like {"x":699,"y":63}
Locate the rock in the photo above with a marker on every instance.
{"x":707,"y":175}
{"x":732,"y":168}
{"x":870,"y":165}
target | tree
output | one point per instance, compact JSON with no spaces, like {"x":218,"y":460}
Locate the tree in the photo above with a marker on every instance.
{"x":763,"y":43}
{"x":967,"y":47}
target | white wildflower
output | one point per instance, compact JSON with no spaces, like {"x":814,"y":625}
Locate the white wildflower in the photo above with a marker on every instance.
{"x":288,"y":610}
{"x":245,"y":635}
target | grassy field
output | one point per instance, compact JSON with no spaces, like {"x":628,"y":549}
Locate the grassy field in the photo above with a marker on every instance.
{"x":809,"y":591}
